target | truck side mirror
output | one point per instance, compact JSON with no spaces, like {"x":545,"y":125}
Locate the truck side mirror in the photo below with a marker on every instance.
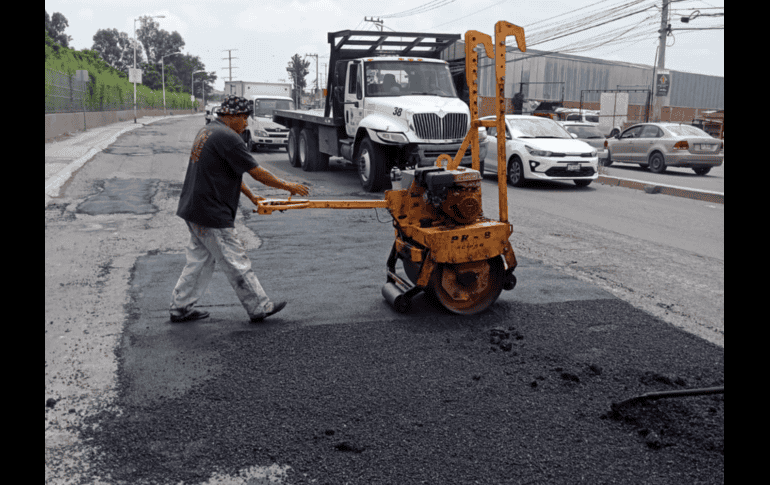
{"x":338,"y":96}
{"x":359,"y":94}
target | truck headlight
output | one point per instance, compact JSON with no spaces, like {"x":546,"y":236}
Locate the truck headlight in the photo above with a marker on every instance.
{"x":393,"y":137}
{"x":262,"y":133}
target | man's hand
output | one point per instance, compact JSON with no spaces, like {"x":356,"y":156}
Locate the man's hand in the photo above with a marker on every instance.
{"x":261,"y":175}
{"x":296,"y":189}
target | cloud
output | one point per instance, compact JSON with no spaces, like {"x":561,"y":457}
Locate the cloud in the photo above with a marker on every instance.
{"x":86,"y":14}
{"x":297,"y":16}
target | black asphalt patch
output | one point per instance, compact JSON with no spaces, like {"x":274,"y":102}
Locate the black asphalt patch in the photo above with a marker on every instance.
{"x":122,"y":196}
{"x":343,"y":389}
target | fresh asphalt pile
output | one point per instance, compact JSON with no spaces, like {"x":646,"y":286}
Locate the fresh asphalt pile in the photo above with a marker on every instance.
{"x":439,"y":400}
{"x":521,"y":393}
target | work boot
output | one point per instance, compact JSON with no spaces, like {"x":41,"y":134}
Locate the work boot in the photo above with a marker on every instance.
{"x":274,"y":308}
{"x":189,"y":316}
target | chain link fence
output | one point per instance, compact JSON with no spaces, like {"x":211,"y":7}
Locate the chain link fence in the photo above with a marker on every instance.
{"x":65,"y":94}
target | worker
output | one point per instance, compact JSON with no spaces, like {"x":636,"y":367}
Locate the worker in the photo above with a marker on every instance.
{"x":208,"y":204}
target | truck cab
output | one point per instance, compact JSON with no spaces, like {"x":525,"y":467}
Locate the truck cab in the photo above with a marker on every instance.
{"x":262,"y":132}
{"x":400,"y":112}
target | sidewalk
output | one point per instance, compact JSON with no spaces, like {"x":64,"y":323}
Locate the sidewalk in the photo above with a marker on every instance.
{"x":63,"y":158}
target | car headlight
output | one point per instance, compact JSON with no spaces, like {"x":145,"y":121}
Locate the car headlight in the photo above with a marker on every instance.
{"x":393,"y":137}
{"x":542,"y":153}
{"x":262,"y":133}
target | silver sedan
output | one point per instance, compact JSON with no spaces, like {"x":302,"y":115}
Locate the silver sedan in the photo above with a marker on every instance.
{"x":661,"y":145}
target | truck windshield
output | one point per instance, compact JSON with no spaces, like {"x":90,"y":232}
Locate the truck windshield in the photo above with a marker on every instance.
{"x":403,"y":78}
{"x":265,"y":107}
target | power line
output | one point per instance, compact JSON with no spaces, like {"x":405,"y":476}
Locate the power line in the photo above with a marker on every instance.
{"x":426,"y":7}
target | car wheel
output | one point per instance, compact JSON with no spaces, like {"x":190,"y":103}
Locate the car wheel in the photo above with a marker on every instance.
{"x":701,"y":170}
{"x":515,"y":172}
{"x":657,"y":164}
{"x":250,"y":144}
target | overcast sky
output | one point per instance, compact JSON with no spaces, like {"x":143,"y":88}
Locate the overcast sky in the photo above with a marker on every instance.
{"x":267,"y":33}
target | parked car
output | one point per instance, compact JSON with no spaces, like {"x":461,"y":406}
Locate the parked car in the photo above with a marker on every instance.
{"x":540,"y":149}
{"x":657,"y":146}
{"x":589,"y":134}
{"x":211,"y":112}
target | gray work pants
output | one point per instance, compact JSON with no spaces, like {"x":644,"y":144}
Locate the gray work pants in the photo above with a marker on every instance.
{"x":209,"y":246}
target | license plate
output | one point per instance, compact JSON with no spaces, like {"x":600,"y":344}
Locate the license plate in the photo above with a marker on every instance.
{"x":573,"y":167}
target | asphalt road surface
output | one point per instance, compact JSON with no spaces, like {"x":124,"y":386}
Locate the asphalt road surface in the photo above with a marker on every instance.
{"x":619,"y":293}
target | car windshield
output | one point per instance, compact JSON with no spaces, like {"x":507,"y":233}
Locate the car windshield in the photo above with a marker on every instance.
{"x":584,"y":131}
{"x":537,"y":128}
{"x":265,"y":107}
{"x":402,"y":78}
{"x":686,"y":130}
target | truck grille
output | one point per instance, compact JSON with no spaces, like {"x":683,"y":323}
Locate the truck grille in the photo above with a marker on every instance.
{"x":430,"y":127}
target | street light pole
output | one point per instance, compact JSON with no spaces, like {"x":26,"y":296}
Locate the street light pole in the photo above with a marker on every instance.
{"x":192,"y":84}
{"x":154,"y":17}
{"x":163,"y":78}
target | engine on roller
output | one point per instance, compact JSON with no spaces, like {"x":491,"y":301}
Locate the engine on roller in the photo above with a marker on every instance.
{"x":453,"y":193}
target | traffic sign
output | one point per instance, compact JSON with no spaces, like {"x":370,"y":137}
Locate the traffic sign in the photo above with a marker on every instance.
{"x":662,"y":83}
{"x":134,"y":75}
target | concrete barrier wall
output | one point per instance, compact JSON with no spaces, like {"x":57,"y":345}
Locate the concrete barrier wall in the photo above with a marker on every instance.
{"x":59,"y":123}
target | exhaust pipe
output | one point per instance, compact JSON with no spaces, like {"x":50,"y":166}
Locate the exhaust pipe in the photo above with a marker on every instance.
{"x":396,"y":297}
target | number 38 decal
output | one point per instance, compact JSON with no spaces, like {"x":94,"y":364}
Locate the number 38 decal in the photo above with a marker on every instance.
{"x":397,"y":111}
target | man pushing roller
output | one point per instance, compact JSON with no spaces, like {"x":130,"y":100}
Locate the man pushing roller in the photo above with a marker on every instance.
{"x":208,"y":204}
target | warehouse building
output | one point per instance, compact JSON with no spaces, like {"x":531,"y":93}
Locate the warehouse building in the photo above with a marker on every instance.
{"x":544,"y":76}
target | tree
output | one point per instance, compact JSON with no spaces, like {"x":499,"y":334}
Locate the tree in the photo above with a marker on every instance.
{"x":55,"y":26}
{"x":298,"y":69}
{"x":183,"y":67}
{"x":116,"y":48}
{"x":157,"y":42}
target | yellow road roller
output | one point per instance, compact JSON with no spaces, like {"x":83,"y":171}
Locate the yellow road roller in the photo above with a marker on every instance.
{"x":448,"y":249}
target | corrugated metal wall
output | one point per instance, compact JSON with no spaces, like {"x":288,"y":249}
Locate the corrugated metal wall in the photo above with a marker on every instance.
{"x":578,"y":73}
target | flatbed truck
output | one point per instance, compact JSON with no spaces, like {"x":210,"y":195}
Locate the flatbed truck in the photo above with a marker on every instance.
{"x":390,"y":102}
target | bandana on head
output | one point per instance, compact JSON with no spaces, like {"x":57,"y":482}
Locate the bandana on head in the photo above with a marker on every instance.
{"x":235,"y":105}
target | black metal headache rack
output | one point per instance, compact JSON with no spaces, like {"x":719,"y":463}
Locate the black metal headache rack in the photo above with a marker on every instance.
{"x":354,"y":44}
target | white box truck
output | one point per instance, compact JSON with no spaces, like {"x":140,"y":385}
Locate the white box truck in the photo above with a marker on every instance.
{"x":262,"y":132}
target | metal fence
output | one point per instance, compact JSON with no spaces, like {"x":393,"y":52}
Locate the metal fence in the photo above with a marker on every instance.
{"x":65,"y":94}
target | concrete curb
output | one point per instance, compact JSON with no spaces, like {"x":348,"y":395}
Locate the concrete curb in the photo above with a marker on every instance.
{"x":653,"y":188}
{"x":53,"y":184}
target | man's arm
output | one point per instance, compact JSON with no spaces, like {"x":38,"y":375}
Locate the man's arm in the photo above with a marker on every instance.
{"x":245,"y":190}
{"x":261,"y":175}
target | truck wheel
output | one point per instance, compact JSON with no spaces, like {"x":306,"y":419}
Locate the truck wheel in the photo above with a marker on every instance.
{"x":310,"y":158}
{"x":292,"y":146}
{"x":370,"y":162}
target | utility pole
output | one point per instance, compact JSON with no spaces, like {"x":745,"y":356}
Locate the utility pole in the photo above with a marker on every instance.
{"x":316,"y":73}
{"x":661,"y":100}
{"x":377,"y":21}
{"x":230,"y":58}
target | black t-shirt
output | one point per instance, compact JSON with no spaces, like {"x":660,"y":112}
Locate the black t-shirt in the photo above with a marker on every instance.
{"x":213,"y":182}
